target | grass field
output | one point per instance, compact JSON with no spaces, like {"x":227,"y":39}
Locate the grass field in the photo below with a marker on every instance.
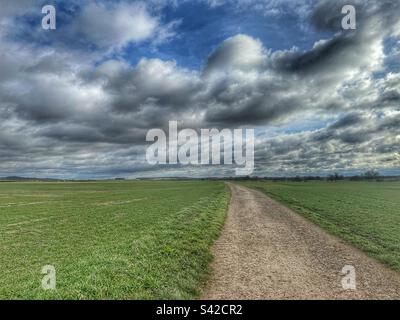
{"x":366,"y":214}
{"x":109,"y":240}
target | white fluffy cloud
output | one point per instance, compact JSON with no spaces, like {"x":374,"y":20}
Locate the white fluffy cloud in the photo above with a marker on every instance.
{"x":116,"y":25}
{"x":239,"y":52}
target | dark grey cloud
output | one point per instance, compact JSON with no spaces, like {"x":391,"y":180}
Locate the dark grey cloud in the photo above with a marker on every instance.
{"x":351,"y":119}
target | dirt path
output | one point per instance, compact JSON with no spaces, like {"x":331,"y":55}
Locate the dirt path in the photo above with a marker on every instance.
{"x":266,"y":251}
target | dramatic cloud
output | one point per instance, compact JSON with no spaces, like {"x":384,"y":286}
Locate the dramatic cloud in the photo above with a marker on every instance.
{"x":84,"y":110}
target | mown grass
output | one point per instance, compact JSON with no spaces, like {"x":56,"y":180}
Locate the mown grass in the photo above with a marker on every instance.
{"x":109,"y":240}
{"x":366,"y":214}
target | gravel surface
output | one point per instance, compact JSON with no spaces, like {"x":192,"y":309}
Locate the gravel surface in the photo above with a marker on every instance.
{"x":266,"y":251}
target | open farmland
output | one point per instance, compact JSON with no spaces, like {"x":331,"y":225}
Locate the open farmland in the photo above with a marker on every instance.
{"x":366,"y":214}
{"x":109,"y":240}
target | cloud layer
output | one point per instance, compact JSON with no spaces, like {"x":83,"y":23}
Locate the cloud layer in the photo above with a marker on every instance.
{"x":84,"y":110}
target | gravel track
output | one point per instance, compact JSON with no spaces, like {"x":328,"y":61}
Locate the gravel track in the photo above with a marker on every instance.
{"x":266,"y":251}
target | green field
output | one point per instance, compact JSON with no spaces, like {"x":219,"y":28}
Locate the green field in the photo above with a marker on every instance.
{"x":151,"y":239}
{"x":109,"y":240}
{"x":366,"y":214}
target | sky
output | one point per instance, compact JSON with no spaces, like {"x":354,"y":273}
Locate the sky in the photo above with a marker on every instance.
{"x":78,"y":101}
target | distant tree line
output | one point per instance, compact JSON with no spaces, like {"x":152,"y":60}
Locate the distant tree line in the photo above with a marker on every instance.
{"x":335,"y":177}
{"x":366,"y":176}
{"x":369,"y":175}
